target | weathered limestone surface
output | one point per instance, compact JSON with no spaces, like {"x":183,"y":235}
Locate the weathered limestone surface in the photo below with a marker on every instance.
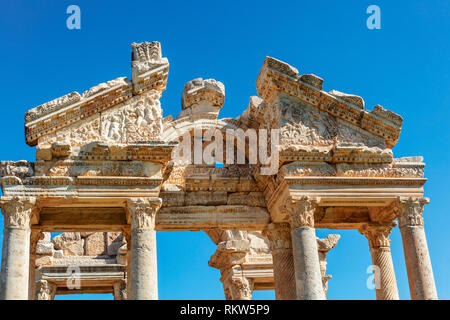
{"x":249,"y":261}
{"x":308,"y":277}
{"x":111,"y":171}
{"x":379,"y":244}
{"x":418,"y":263}
{"x":143,"y":264}
{"x":100,"y":273}
{"x":280,"y":240}
{"x":17,"y":213}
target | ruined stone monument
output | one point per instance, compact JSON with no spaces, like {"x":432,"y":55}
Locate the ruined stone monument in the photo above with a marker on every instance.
{"x":111,"y":171}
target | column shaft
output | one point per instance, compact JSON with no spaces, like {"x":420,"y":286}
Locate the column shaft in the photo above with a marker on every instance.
{"x":280,"y":240}
{"x":15,"y":264}
{"x":144,"y":274}
{"x":306,"y":262}
{"x":417,"y":257}
{"x":378,"y":236}
{"x":143,"y":277}
{"x":16,"y":248}
{"x":304,"y":249}
{"x":387,"y":290}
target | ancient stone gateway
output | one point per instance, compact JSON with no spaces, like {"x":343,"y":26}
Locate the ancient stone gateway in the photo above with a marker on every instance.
{"x":110,"y":171}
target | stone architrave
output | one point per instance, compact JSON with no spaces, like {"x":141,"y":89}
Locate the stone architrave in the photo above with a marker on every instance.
{"x":379,"y":243}
{"x":304,"y":247}
{"x":143,"y":278}
{"x":418,"y":262}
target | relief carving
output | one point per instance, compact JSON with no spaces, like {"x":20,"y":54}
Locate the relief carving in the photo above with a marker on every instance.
{"x":303,"y":124}
{"x":139,"y":120}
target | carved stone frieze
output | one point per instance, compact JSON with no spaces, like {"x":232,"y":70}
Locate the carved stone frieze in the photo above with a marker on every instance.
{"x":140,"y":119}
{"x":278,"y":79}
{"x":20,"y":169}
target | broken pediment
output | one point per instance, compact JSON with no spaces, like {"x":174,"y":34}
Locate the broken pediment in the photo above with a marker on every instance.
{"x":310,"y":116}
{"x":116,"y":111}
{"x":314,"y":125}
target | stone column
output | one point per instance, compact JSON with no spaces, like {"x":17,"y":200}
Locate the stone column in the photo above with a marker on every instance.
{"x":17,"y":213}
{"x":279,"y":236}
{"x":120,"y":290}
{"x":143,"y":267}
{"x":36,"y":235}
{"x":45,"y":290}
{"x":379,"y":243}
{"x":304,"y":248}
{"x":418,"y":263}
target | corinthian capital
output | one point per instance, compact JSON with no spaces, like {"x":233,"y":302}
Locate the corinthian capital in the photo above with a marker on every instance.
{"x":409,"y":211}
{"x":17,"y":211}
{"x":378,"y":233}
{"x":143,"y":212}
{"x":241,"y":289}
{"x":279,"y":236}
{"x":301,"y":211}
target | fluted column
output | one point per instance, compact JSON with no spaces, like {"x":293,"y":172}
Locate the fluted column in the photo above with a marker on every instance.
{"x":279,"y":236}
{"x":143,"y":264}
{"x":17,"y":213}
{"x":379,"y":243}
{"x":418,"y":263}
{"x":36,"y":235}
{"x":304,"y":248}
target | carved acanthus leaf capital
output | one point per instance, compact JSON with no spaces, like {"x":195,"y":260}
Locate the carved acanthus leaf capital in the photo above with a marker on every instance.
{"x":45,"y":290}
{"x":409,"y":210}
{"x":17,"y":211}
{"x":279,"y":236}
{"x":378,"y":233}
{"x":241,"y":288}
{"x":301,"y":211}
{"x":143,"y":212}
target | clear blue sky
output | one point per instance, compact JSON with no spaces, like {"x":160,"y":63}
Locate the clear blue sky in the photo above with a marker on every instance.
{"x":404,"y":67}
